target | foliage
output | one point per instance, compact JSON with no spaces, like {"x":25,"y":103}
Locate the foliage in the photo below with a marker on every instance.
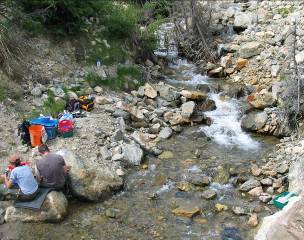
{"x":126,"y":79}
{"x":159,"y":8}
{"x":285,"y":11}
{"x":51,"y":106}
{"x":2,"y":93}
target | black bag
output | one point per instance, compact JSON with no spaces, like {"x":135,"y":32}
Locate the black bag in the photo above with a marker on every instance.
{"x":24,"y":133}
{"x":73,"y":105}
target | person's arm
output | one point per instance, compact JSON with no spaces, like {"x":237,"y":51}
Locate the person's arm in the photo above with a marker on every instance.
{"x":8,"y":182}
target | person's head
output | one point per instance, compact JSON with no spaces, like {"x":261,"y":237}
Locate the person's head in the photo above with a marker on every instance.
{"x":43,"y":149}
{"x":15,"y":160}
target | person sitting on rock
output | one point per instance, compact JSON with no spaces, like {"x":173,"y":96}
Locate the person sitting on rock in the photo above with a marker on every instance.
{"x":22,"y":177}
{"x":51,"y":170}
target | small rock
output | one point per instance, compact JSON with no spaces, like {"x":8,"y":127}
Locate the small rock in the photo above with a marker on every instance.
{"x":265,"y":197}
{"x":150,"y":92}
{"x":209,"y":194}
{"x":184,"y":186}
{"x":36,"y":91}
{"x":98,"y":89}
{"x":253,"y":220}
{"x":193,"y":95}
{"x":241,"y":63}
{"x":165,"y":133}
{"x":132,"y":153}
{"x":220,"y":207}
{"x":111,"y":212}
{"x":239,"y":211}
{"x":188,"y":109}
{"x":199,"y":180}
{"x":256,"y":191}
{"x":250,"y":184}
{"x":266,"y":182}
{"x":186,"y":210}
{"x":256,"y":171}
{"x":166,"y":155}
{"x":283,"y":168}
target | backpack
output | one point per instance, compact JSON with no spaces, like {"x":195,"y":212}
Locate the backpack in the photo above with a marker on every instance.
{"x":73,"y":105}
{"x":24,"y":133}
{"x":86,"y":103}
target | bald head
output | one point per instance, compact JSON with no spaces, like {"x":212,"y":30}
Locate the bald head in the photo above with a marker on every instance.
{"x":15,"y":159}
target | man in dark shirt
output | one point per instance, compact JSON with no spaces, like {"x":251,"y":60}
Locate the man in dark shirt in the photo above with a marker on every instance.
{"x":51,"y":169}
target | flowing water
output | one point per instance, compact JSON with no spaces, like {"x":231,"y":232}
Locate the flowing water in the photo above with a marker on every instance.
{"x":144,"y":209}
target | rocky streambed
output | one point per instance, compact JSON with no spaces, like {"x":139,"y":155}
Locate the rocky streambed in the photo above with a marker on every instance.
{"x":192,"y":185}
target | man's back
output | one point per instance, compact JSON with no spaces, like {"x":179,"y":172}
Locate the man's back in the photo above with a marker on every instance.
{"x":24,"y":178}
{"x":51,"y":169}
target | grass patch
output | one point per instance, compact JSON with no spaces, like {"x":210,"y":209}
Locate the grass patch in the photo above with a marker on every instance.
{"x":126,"y":79}
{"x":285,"y":11}
{"x":51,"y":106}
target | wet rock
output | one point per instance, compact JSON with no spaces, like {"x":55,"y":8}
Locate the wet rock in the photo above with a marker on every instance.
{"x":220,"y":207}
{"x":253,"y":220}
{"x":166,"y":155}
{"x":150,"y":92}
{"x":250,"y":184}
{"x":204,"y":88}
{"x":194,"y":95}
{"x":284,"y":224}
{"x":54,"y":209}
{"x":199,"y":180}
{"x":209,"y":194}
{"x":186,"y":210}
{"x":89,"y":181}
{"x":222,"y":175}
{"x":216,"y":73}
{"x":239,"y":211}
{"x":188,"y":109}
{"x":133,"y":154}
{"x":254,"y":121}
{"x":250,"y":49}
{"x":231,"y":233}
{"x":184,"y":186}
{"x":207,"y":105}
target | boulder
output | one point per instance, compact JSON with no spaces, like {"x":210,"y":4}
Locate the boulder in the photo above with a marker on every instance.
{"x":150,"y":92}
{"x":54,"y":209}
{"x":261,"y":100}
{"x":250,"y":49}
{"x":194,"y":95}
{"x":205,"y":106}
{"x":296,"y":176}
{"x":250,"y":184}
{"x":242,"y":20}
{"x":285,"y":224}
{"x":88,"y":180}
{"x":254,"y":121}
{"x":188,"y":109}
{"x":167,"y":92}
{"x":132,"y":154}
{"x":199,"y":180}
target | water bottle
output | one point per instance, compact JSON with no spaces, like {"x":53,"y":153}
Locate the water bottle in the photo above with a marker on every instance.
{"x":98,"y":63}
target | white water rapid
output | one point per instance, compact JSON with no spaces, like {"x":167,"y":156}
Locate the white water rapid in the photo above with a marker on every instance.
{"x":226,"y":125}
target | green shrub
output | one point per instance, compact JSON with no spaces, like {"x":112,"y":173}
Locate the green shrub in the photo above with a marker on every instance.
{"x":124,"y":80}
{"x":51,"y":106}
{"x":2,"y":93}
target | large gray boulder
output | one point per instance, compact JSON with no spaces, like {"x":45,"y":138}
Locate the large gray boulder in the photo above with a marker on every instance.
{"x":254,"y":121}
{"x":54,"y":209}
{"x":285,"y":224}
{"x":88,"y":180}
{"x":250,"y":49}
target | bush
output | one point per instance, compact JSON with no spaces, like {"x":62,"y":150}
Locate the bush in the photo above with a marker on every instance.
{"x":51,"y":106}
{"x":127,"y":79}
{"x":2,"y":93}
